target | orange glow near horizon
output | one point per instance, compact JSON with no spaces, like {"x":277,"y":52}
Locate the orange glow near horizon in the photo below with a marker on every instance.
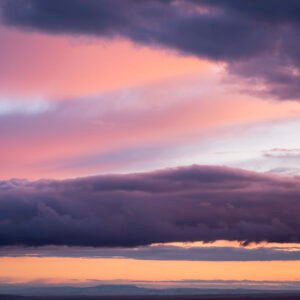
{"x":232,"y":244}
{"x":25,"y":269}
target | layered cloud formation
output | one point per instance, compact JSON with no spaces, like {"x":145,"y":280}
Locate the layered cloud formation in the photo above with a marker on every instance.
{"x":81,"y":98}
{"x":258,"y":39}
{"x":146,"y":128}
{"x":184,"y":204}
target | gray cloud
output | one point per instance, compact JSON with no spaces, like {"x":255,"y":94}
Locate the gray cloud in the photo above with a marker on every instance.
{"x":159,"y":252}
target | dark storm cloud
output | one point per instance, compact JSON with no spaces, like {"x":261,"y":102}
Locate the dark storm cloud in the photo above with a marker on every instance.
{"x":175,"y":24}
{"x":258,"y":39}
{"x":268,"y":10}
{"x":185,"y":204}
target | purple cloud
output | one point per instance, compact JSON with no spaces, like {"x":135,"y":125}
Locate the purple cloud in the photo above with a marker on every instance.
{"x":197,"y":203}
{"x":258,"y":39}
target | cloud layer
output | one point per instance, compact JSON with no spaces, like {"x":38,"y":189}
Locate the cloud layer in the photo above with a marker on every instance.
{"x":258,"y":40}
{"x":160,"y":252}
{"x":184,"y":204}
{"x":140,"y":129}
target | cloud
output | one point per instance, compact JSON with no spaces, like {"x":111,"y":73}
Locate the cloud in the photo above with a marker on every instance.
{"x":196,"y":203}
{"x":258,"y":40}
{"x":160,"y":252}
{"x":14,"y":107}
{"x":282,"y":153}
{"x":137,"y":129}
{"x":142,"y":22}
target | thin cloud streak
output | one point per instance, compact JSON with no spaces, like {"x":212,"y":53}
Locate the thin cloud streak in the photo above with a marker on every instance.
{"x":160,"y":252}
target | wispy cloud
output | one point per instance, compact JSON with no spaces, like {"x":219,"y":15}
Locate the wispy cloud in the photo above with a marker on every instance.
{"x":23,"y":107}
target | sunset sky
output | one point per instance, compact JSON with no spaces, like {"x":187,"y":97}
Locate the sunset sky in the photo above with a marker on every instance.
{"x":150,"y":142}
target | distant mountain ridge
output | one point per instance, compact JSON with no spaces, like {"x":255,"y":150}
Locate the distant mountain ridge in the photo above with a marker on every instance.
{"x":126,"y":290}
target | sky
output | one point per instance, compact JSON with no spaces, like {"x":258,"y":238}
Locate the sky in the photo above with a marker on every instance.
{"x":150,"y":142}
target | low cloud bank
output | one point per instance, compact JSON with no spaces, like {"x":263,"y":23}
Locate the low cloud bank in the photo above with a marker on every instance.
{"x":197,"y":203}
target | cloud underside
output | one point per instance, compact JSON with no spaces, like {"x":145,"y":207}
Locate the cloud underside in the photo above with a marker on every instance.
{"x":196,"y":203}
{"x":259,"y":40}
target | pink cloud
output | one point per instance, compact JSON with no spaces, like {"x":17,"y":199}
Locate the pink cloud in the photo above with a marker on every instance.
{"x":60,"y":67}
{"x":123,"y":130}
